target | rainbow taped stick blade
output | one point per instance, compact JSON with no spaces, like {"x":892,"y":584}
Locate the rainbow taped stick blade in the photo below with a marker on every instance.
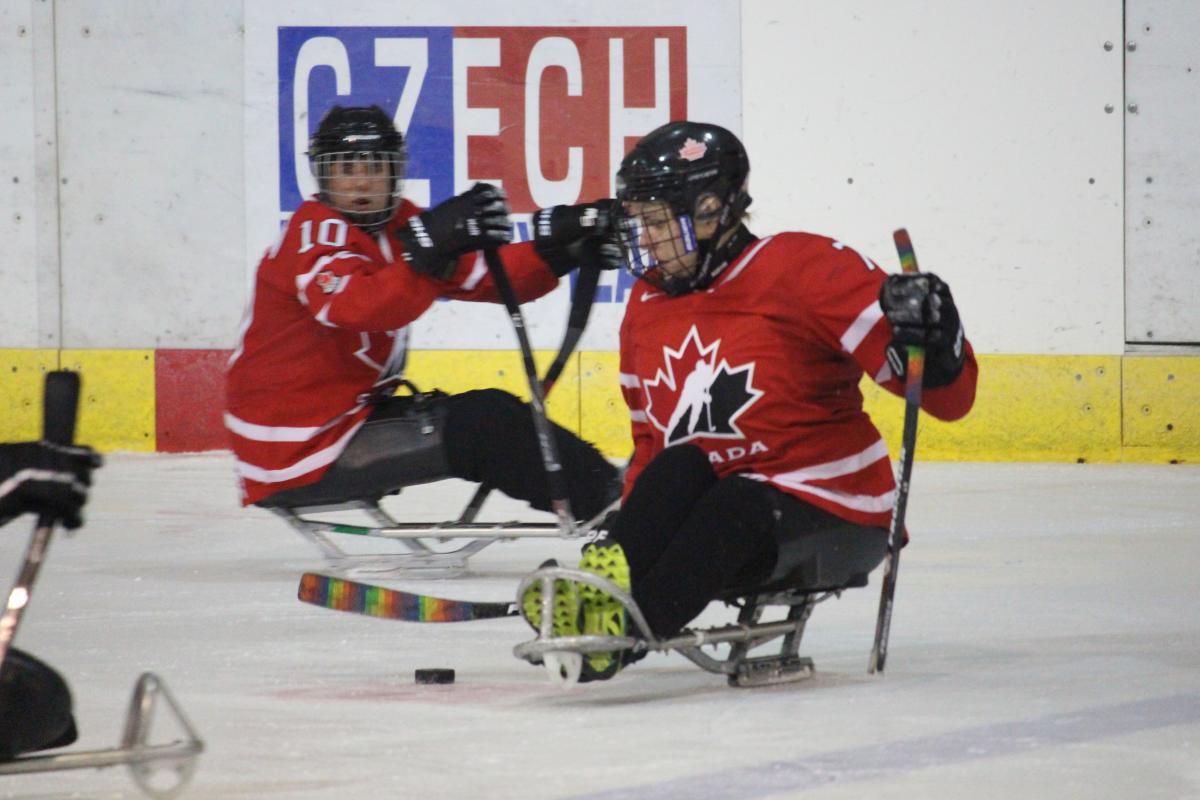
{"x":908,"y":257}
{"x":379,"y":601}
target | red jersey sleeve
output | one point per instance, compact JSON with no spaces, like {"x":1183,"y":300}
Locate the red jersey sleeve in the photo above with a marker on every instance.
{"x":322,"y":258}
{"x":842,"y":295}
{"x":529,"y":275}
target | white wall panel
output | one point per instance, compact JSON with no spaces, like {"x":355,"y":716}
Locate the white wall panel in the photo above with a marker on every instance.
{"x":1162,"y":150}
{"x":980,"y":126}
{"x":150,"y":119}
{"x":18,"y":193}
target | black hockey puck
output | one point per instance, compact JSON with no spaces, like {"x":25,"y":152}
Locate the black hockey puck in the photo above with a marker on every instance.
{"x":435,"y":676}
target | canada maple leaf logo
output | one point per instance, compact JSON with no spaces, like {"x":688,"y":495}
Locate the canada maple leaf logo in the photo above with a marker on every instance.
{"x":693,"y":150}
{"x":696,"y":393}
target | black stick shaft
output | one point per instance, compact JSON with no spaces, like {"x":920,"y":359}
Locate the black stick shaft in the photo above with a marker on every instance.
{"x":581,"y":307}
{"x":908,"y":447}
{"x":554,"y":473}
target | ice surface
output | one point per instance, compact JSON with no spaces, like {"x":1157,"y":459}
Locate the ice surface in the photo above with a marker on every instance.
{"x":1045,"y":644}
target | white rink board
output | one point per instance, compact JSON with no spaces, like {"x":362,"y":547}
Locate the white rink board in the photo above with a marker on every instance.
{"x":979,"y":126}
{"x":1045,"y":648}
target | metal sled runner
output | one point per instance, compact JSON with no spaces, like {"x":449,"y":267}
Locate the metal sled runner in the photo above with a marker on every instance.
{"x":161,"y":771}
{"x":438,"y":549}
{"x":817,"y":579}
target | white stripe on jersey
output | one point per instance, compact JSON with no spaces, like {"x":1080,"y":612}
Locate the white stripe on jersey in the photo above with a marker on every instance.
{"x":838,"y":468}
{"x":629,"y":380}
{"x":858,"y":502}
{"x":385,"y":247}
{"x":799,"y":479}
{"x":637,"y":416}
{"x":302,"y":467}
{"x":861,"y":326}
{"x":270,"y":433}
{"x":478,"y":270}
{"x":361,"y":353}
{"x":744,"y":262}
{"x":302,"y":281}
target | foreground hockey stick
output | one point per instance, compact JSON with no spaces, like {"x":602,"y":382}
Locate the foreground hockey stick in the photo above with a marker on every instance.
{"x":60,"y":404}
{"x":377,"y":601}
{"x":554,"y":475}
{"x":582,"y":298}
{"x":908,"y":446}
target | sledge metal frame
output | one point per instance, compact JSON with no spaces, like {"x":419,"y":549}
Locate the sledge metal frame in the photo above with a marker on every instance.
{"x":146,"y":762}
{"x":739,"y":667}
{"x":419,"y":557}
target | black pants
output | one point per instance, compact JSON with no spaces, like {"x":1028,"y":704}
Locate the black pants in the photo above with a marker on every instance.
{"x":691,"y":537}
{"x":485,"y":436}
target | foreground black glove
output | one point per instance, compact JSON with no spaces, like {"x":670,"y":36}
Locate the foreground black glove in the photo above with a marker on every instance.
{"x":44,"y":478}
{"x":474,"y":220}
{"x":921,"y":310}
{"x":567,"y":237}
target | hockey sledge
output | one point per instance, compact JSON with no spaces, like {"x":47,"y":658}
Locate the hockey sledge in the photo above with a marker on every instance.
{"x":161,"y":771}
{"x":799,"y":591}
{"x":442,"y":549}
{"x":439,"y":549}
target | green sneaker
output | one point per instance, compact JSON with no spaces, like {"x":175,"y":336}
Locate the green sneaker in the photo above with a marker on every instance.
{"x":603,"y":615}
{"x":566,"y":605}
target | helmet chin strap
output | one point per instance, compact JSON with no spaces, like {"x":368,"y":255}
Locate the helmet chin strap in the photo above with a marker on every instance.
{"x":713,"y":254}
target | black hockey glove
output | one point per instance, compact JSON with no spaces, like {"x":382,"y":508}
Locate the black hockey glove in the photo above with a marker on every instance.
{"x":44,"y":478}
{"x":567,"y":237}
{"x":474,"y":220}
{"x":922,"y":313}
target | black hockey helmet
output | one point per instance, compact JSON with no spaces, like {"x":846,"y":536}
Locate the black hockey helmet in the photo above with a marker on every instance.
{"x":359,"y":134}
{"x":699,"y":171}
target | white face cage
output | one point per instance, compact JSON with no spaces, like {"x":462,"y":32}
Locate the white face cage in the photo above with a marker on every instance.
{"x":365,"y":185}
{"x":656,"y":242}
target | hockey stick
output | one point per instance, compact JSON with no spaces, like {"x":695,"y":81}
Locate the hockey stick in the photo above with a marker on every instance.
{"x":59,"y":406}
{"x":908,"y":447}
{"x":582,"y":298}
{"x":554,"y":476}
{"x":378,"y":601}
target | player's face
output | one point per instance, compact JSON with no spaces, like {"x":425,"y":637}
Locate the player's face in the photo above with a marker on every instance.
{"x":662,"y":236}
{"x":360,"y":184}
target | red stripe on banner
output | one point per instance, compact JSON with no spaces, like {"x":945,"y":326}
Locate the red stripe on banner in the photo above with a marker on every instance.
{"x":189,"y":388}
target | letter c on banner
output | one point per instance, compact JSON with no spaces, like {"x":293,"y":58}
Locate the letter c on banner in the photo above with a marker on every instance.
{"x":554,"y":51}
{"x":320,"y":51}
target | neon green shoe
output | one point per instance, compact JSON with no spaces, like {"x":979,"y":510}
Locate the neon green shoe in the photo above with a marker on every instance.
{"x":566,"y":605}
{"x":603,"y":615}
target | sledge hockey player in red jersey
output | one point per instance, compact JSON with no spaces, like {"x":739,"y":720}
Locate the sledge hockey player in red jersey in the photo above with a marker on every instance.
{"x":309,"y":402}
{"x":740,"y":364}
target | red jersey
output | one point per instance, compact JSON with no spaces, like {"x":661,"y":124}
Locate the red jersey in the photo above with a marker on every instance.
{"x":325,"y":324}
{"x":761,"y":370}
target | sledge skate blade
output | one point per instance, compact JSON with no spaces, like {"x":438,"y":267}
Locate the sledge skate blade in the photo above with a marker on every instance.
{"x":563,"y":668}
